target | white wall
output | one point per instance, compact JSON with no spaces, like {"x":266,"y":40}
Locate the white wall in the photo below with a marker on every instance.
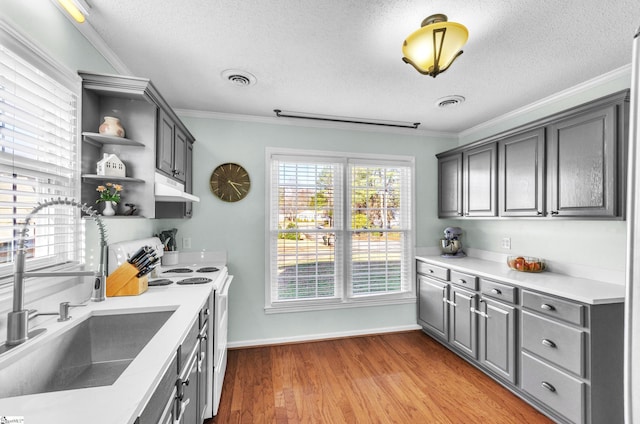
{"x":240,"y":227}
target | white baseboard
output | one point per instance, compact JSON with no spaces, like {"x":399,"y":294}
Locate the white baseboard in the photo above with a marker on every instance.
{"x":317,"y":337}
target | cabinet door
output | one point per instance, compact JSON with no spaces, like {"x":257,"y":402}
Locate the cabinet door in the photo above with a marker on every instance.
{"x":462,"y":321}
{"x":497,"y":338}
{"x":203,"y":376}
{"x":480,"y":172}
{"x":164,"y":143}
{"x":450,"y":186}
{"x":188,"y":180}
{"x":432,"y":310}
{"x":522,"y":174}
{"x":583,"y":155}
{"x":179,"y":155}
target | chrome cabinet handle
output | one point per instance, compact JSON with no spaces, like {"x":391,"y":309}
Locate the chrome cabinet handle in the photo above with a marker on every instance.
{"x":430,"y":271}
{"x":496,"y":291}
{"x":477,"y":312}
{"x":555,"y":213}
{"x":547,"y":307}
{"x":548,"y":386}
{"x":538,"y":212}
{"x":549,"y":343}
{"x":461,"y":281}
{"x":449,"y":302}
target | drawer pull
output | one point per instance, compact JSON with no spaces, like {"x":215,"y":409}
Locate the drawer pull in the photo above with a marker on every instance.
{"x":548,"y":343}
{"x":547,"y":307}
{"x":496,"y":291}
{"x":461,"y":281}
{"x":548,"y":386}
{"x":430,"y":271}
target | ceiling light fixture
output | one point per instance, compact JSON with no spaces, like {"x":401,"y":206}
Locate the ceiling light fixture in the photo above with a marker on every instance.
{"x":78,"y":9}
{"x":434,"y":47}
{"x":332,"y":118}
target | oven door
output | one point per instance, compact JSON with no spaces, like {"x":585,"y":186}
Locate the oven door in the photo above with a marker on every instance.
{"x":220,"y":340}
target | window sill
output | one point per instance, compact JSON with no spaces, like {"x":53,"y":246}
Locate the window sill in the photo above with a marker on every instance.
{"x":283,"y":307}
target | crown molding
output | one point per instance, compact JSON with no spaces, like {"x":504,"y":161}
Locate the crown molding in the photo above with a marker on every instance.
{"x":92,"y":36}
{"x":622,"y":72}
{"x":190,"y":113}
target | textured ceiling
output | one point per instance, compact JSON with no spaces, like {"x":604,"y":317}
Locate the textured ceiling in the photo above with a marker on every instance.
{"x":343,"y":57}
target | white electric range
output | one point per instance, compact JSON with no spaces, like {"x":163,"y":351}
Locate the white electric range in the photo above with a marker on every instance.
{"x":204,"y":267}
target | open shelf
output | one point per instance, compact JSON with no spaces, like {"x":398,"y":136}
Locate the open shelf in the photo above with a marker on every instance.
{"x":100,"y":139}
{"x":111,"y":178}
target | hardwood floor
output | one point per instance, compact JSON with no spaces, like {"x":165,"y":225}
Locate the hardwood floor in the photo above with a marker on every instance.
{"x":391,"y":378}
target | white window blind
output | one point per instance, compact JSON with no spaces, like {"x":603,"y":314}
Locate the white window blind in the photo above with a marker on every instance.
{"x":340,"y":229}
{"x":39,"y":159}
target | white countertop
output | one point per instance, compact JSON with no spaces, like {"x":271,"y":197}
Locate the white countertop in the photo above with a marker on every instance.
{"x":123,"y":401}
{"x":578,"y":289}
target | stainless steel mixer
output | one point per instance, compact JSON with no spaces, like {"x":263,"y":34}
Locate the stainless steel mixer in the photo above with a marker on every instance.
{"x":450,"y":245}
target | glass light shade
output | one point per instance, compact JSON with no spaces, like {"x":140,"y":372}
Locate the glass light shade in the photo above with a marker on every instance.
{"x":443,"y":40}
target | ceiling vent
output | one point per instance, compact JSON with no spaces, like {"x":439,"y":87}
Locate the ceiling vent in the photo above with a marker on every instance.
{"x":449,"y":101}
{"x":239,"y":78}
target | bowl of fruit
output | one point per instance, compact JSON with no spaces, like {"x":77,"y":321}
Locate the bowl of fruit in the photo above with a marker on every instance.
{"x":526,"y":263}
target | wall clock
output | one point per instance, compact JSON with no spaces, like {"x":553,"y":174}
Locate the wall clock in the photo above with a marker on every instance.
{"x":230,"y":182}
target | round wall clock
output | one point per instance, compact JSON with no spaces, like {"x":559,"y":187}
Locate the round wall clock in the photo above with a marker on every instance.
{"x":230,"y":182}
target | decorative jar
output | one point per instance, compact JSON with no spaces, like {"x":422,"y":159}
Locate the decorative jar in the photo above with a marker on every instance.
{"x":111,"y":126}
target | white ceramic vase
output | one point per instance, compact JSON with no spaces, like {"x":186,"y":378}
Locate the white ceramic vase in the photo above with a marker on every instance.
{"x":111,"y":126}
{"x":109,"y":208}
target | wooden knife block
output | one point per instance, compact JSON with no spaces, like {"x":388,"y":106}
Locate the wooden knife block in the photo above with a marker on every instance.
{"x":123,"y":281}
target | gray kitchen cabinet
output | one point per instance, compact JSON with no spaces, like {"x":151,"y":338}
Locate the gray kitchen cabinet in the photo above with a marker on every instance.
{"x":583,"y":163}
{"x":571,"y":358}
{"x":463,"y":329}
{"x":562,"y":356}
{"x":567,"y":165}
{"x":522,"y":174}
{"x":146,"y":118}
{"x":180,"y":209}
{"x":171,"y":148}
{"x":480,"y":181}
{"x":450,"y":186}
{"x":432,"y":311}
{"x":497,"y":334}
{"x":161,"y":406}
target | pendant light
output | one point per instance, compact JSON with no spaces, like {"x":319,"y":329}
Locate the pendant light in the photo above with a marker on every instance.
{"x":434,"y":47}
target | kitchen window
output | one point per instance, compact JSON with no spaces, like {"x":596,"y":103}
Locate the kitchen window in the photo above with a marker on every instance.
{"x":340,"y":230}
{"x":39,"y":154}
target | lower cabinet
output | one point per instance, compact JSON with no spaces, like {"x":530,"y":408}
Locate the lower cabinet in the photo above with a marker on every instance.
{"x":563,"y":357}
{"x":498,"y":338}
{"x":160,"y":408}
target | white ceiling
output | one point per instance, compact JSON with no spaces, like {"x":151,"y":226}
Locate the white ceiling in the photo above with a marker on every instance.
{"x":343,"y":57}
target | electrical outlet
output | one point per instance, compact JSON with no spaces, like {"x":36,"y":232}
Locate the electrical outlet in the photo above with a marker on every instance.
{"x":186,"y":242}
{"x":506,"y":243}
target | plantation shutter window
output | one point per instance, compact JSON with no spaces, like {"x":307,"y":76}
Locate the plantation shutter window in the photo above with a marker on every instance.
{"x":340,"y":230}
{"x":39,"y":158}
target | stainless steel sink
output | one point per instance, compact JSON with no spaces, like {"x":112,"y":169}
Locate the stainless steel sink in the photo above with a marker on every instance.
{"x":93,"y":353}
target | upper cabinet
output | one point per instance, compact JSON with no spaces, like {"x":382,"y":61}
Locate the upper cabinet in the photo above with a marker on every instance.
{"x":569,"y":165}
{"x":522,"y":174}
{"x":480,"y":171}
{"x":583,"y":164}
{"x":450,"y":185}
{"x":155,"y":139}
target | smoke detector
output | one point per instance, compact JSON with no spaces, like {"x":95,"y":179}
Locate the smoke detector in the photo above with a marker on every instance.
{"x":449,"y":101}
{"x":239,"y":78}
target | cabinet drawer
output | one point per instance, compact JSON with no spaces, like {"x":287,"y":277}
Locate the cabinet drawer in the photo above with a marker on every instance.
{"x":560,"y":344}
{"x":432,"y":270}
{"x":499,"y":290}
{"x":553,"y":307}
{"x":464,"y":280}
{"x":188,"y":345}
{"x":554,"y":388}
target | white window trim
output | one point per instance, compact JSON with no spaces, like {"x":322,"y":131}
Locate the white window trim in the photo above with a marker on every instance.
{"x":30,"y":52}
{"x":346,"y":301}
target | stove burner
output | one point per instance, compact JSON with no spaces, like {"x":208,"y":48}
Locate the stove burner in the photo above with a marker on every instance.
{"x":160,"y":282}
{"x":195,"y":280}
{"x":208,"y":269}
{"x":178,"y":270}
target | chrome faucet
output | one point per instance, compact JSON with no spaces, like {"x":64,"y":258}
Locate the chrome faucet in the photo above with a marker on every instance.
{"x":18,"y":319}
